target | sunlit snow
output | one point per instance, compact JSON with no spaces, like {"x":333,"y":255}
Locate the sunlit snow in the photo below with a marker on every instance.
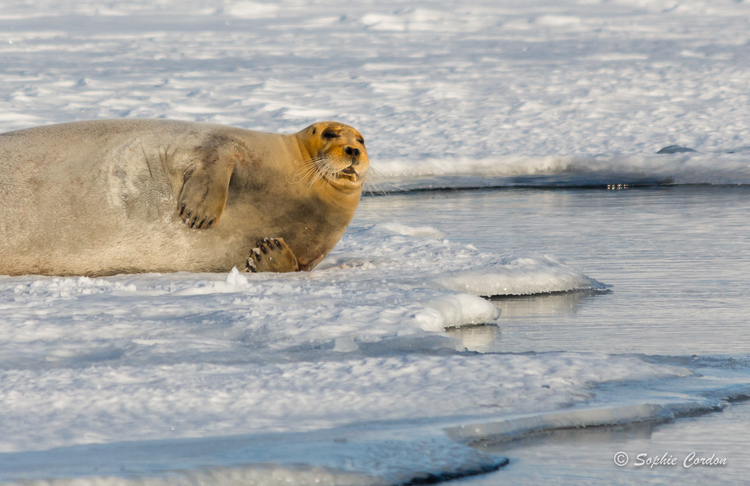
{"x":346,"y":375}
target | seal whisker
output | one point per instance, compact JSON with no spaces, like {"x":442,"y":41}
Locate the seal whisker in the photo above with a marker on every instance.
{"x":314,"y":168}
{"x":303,"y":173}
{"x":376,"y":188}
{"x":328,"y":167}
{"x":322,"y":168}
{"x":375,"y":171}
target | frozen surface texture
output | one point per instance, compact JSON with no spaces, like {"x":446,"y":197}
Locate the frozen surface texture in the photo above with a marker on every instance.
{"x":154,"y":356}
{"x":446,"y":94}
{"x":433,"y":80}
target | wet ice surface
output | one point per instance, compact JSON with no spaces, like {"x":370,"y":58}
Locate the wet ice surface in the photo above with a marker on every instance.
{"x":677,"y":259}
{"x":678,"y":262}
{"x":360,"y":339}
{"x":355,"y":354}
{"x":346,"y":375}
{"x":586,"y":456}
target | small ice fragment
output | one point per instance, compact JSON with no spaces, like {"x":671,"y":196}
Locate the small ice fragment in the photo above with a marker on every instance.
{"x":462,"y":309}
{"x":236,"y":278}
{"x":401,"y":229}
{"x":345,"y":344}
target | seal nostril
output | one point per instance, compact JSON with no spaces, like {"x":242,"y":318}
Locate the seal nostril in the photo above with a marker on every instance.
{"x":351,"y":151}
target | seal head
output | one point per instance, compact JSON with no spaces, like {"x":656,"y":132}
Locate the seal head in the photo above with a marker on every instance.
{"x":334,"y":153}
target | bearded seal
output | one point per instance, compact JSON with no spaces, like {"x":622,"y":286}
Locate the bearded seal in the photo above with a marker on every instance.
{"x":107,"y":197}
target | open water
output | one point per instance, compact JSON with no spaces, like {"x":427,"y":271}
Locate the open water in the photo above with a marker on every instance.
{"x":678,"y":262}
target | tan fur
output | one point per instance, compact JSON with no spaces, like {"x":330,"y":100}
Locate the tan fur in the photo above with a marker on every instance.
{"x":127,"y":196}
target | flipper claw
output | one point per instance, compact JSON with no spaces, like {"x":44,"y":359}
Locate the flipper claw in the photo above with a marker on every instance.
{"x":272,"y":255}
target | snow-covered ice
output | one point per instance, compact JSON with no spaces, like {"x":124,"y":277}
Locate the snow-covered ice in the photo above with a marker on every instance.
{"x":431,"y":80}
{"x":346,"y":374}
{"x":162,"y":344}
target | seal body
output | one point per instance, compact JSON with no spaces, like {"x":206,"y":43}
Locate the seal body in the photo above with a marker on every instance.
{"x":129,"y":196}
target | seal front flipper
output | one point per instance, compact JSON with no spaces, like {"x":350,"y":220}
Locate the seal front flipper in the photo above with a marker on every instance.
{"x":205,"y":190}
{"x":272,"y":255}
{"x":203,"y":198}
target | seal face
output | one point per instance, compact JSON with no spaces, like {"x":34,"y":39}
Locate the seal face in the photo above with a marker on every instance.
{"x":127,"y":196}
{"x":337,"y":155}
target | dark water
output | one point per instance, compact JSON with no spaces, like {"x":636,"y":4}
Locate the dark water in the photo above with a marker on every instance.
{"x":678,"y":259}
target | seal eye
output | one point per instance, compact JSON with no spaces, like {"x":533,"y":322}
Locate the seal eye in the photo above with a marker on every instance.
{"x":329,"y":134}
{"x":361,"y":140}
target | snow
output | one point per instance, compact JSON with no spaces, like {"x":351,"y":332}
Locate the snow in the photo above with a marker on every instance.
{"x":361,"y":340}
{"x":507,"y":94}
{"x":75,"y":344}
{"x":564,"y":171}
{"x":431,"y":80}
{"x":53,"y":406}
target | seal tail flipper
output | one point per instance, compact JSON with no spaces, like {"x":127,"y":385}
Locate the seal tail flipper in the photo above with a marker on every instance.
{"x":272,"y":255}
